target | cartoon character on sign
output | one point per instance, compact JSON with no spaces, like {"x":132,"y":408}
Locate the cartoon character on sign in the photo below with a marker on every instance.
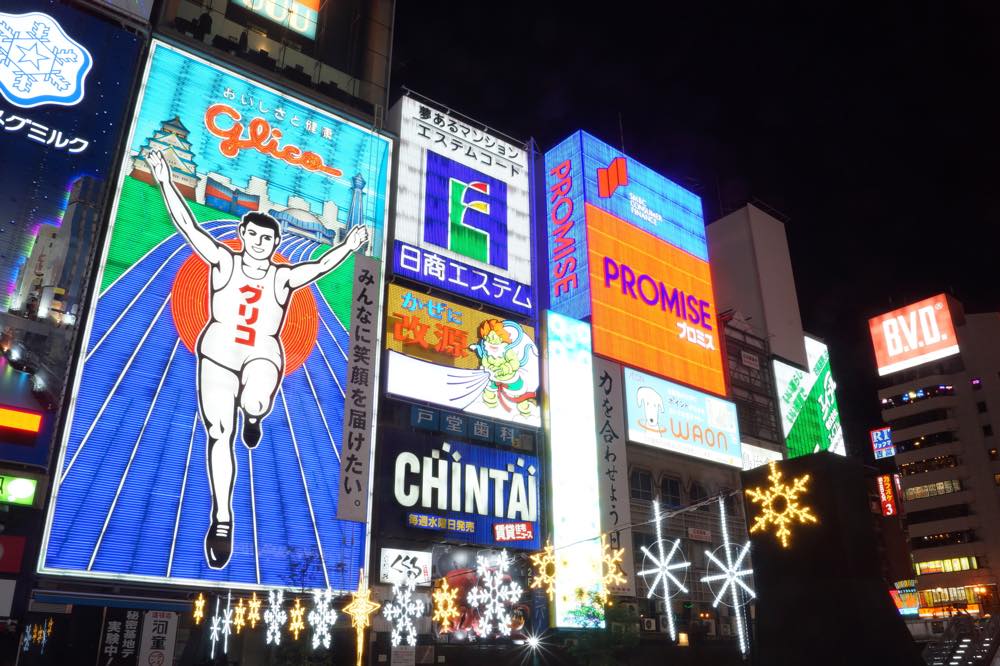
{"x":241,"y":358}
{"x":651,"y":404}
{"x":505,"y":353}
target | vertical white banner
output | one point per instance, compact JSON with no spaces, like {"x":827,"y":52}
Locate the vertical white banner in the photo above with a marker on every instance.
{"x":575,"y":496}
{"x":359,"y":399}
{"x":612,"y":466}
{"x":159,"y":632}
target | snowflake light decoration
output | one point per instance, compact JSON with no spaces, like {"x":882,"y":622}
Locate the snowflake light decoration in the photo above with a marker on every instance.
{"x":544,"y":562}
{"x":26,"y":639}
{"x":611,"y":569}
{"x":216,"y":634}
{"x":253,"y":611}
{"x":360,"y":609}
{"x":402,"y":611}
{"x":663,"y":568}
{"x":492,"y":597}
{"x":274,"y":616}
{"x":296,"y":622}
{"x":780,"y":505}
{"x":445,"y":606}
{"x":199,"y":608}
{"x":322,"y":617}
{"x":732,"y":575}
{"x":239,"y":615}
{"x":227,"y":622}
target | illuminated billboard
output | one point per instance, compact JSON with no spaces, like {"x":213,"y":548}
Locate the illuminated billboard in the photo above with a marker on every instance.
{"x":463,"y":219}
{"x":886,"y":495}
{"x":461,"y":358}
{"x":575,"y":491}
{"x":882,"y":443}
{"x":756,"y":456}
{"x":299,"y":16}
{"x":675,"y":418}
{"x":434,"y":488}
{"x":912,"y":335}
{"x":810,"y":418}
{"x":626,"y":247}
{"x":209,"y":441}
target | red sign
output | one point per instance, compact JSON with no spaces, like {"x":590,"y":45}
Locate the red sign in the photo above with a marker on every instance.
{"x":912,"y":335}
{"x":886,"y":495}
{"x":513,"y":532}
{"x":11,"y":553}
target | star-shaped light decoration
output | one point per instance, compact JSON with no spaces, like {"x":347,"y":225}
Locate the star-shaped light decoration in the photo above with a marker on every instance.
{"x":402,"y":611}
{"x":216,"y":634}
{"x":239,"y":615}
{"x":199,"y":608}
{"x":663,"y":570}
{"x":445,"y":606}
{"x":227,"y":622}
{"x":274,"y":616}
{"x":253,"y":610}
{"x":361,"y":609}
{"x":322,"y":617}
{"x":493,"y":596}
{"x":544,"y":562}
{"x":26,"y":640}
{"x":780,"y":505}
{"x":731,"y":575}
{"x":296,"y":616}
{"x":611,"y":569}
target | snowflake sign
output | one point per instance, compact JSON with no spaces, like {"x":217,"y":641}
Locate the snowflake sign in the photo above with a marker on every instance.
{"x":322,"y":617}
{"x":545,"y":564}
{"x":493,"y":596}
{"x":445,"y":606}
{"x":663,"y":568}
{"x":39,"y":62}
{"x":275,"y":616}
{"x":402,"y":611}
{"x":780,"y":505}
{"x":731,"y":577}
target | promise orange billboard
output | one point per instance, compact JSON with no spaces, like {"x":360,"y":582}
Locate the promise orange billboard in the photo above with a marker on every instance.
{"x":652,"y":304}
{"x":912,"y":335}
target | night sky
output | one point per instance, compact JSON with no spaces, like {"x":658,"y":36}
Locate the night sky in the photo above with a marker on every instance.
{"x":872,"y":130}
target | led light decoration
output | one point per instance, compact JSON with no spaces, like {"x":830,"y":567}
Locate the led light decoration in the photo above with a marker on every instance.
{"x":731,"y":574}
{"x":26,"y":639}
{"x":492,"y":597}
{"x":663,"y":568}
{"x":227,"y":622}
{"x":544,"y":562}
{"x":611,"y":565}
{"x":360,"y":609}
{"x":780,"y":505}
{"x":402,"y":611}
{"x":253,"y":610}
{"x":274,"y":616}
{"x":322,"y":617}
{"x":199,"y":608}
{"x":216,"y":633}
{"x":239,"y":615}
{"x":445,"y":606}
{"x":296,"y":617}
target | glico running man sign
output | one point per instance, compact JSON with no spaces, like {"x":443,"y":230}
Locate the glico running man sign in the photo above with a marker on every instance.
{"x":205,"y":442}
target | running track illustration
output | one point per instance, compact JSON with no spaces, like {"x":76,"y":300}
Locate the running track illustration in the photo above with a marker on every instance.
{"x":133,"y":493}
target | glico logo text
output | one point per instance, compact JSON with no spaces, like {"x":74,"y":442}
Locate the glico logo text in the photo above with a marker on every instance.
{"x":655,"y":293}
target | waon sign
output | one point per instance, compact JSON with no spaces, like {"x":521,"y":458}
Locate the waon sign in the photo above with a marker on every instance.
{"x":913,"y":335}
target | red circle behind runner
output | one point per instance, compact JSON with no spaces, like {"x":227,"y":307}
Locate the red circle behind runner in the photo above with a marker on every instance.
{"x":189,"y":307}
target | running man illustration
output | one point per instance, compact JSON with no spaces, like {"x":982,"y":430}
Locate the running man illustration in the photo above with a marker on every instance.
{"x":241,"y":360}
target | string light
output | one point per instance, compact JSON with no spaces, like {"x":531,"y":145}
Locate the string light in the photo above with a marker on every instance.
{"x":492,"y":596}
{"x":445,"y":606}
{"x":611,"y":565}
{"x":732,"y":574}
{"x":780,"y":505}
{"x":360,"y":609}
{"x":322,"y":617}
{"x":239,"y":615}
{"x":664,"y":566}
{"x":199,"y":608}
{"x":274,"y":616}
{"x":544,"y":562}
{"x":295,"y":619}
{"x":402,"y":611}
{"x":253,"y":610}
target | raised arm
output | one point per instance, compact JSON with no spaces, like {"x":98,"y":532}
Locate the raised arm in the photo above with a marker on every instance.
{"x":310,"y":271}
{"x":199,"y":239}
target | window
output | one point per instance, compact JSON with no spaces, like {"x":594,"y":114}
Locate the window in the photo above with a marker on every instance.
{"x":670,"y":492}
{"x":946,"y":566}
{"x":917,"y":395}
{"x":987,"y":430}
{"x":981,"y":407}
{"x":941,"y":513}
{"x":925,"y":441}
{"x":933,"y":489}
{"x":946,"y":595}
{"x":944,"y":539}
{"x":640,"y":539}
{"x":929,"y":465}
{"x":930,"y":416}
{"x":641,"y":485}
{"x":698,"y":493}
